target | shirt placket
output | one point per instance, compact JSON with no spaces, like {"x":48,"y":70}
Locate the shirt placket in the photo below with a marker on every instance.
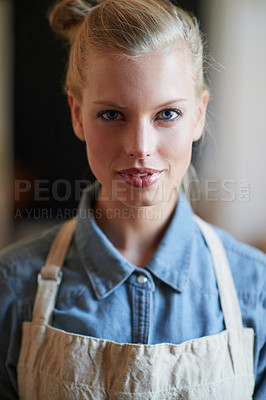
{"x":142,"y":287}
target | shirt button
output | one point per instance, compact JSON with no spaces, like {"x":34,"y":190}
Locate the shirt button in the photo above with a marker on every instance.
{"x":142,"y":279}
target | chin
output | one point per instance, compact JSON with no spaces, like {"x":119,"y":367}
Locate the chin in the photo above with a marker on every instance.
{"x":147,"y":198}
{"x":145,"y":203}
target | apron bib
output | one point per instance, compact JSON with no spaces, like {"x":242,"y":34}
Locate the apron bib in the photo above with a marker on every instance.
{"x":54,"y":364}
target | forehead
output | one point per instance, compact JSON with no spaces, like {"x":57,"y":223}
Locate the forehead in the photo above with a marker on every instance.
{"x":154,"y":73}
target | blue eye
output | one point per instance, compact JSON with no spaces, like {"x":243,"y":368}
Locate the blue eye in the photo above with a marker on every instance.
{"x":110,"y":115}
{"x":169,"y":114}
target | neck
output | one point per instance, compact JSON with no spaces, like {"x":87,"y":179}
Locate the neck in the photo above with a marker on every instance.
{"x":135,"y":232}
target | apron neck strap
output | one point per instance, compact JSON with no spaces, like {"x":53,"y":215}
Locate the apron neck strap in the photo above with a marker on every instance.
{"x":226,"y":287}
{"x":51,"y":274}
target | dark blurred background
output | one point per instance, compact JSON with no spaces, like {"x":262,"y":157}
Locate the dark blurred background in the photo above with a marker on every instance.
{"x":45,"y":149}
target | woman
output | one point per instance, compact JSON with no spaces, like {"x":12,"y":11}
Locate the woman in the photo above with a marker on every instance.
{"x":136,"y":299}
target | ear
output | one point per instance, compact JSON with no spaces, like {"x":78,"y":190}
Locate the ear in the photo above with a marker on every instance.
{"x":201,"y":115}
{"x":76,"y":115}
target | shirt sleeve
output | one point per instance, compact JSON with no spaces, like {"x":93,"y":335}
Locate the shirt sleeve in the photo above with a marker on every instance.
{"x":8,"y":328}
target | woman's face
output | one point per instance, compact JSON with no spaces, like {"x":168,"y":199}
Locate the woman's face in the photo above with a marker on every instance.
{"x":139,"y":119}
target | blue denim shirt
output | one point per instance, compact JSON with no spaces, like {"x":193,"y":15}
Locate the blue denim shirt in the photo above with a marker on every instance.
{"x":173,"y":299}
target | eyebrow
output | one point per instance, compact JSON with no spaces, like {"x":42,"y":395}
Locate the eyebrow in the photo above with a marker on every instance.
{"x":111,"y":104}
{"x":171,"y":102}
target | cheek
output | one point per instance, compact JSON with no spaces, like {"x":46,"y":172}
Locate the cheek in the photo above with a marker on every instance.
{"x":95,"y":141}
{"x":101,"y":148}
{"x":95,"y":147}
{"x":177,"y":146}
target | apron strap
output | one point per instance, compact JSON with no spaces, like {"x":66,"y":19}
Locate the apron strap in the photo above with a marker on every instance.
{"x":226,"y":287}
{"x":51,"y":274}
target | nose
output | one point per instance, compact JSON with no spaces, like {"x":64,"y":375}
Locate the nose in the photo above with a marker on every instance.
{"x":140,"y":140}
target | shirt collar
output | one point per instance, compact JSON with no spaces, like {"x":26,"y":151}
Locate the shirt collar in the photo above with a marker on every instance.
{"x":171,"y":262}
{"x":107,"y":268}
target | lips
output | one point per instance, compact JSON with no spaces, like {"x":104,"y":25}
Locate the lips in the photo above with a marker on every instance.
{"x":140,"y":177}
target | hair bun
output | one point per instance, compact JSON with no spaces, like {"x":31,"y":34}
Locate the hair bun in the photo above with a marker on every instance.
{"x":67,"y":16}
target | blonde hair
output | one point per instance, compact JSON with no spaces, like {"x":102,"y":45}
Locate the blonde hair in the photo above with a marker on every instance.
{"x":127,"y":27}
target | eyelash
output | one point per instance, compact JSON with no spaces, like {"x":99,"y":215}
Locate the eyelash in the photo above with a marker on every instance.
{"x":179,"y":114}
{"x":101,"y":115}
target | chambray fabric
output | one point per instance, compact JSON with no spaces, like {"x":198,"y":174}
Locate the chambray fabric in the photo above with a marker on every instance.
{"x":101,"y":294}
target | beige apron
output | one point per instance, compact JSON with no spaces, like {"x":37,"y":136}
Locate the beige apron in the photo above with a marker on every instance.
{"x":54,"y":364}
